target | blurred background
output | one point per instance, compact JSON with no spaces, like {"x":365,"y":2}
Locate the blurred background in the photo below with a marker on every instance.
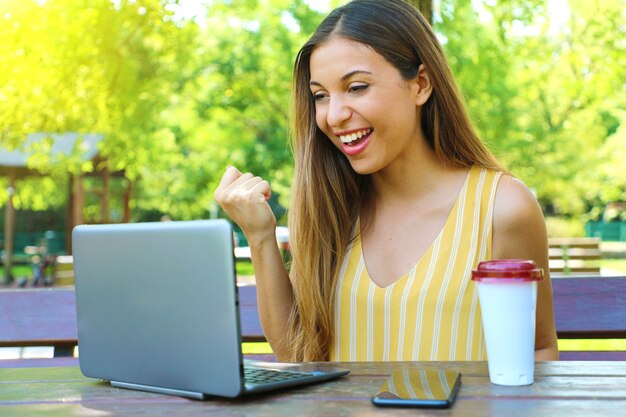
{"x":130,"y":110}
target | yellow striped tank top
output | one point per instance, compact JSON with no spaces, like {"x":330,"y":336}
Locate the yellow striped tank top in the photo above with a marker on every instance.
{"x":432,"y":313}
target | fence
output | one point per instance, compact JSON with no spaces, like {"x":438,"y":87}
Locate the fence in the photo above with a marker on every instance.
{"x":54,"y":241}
{"x":607,"y":231}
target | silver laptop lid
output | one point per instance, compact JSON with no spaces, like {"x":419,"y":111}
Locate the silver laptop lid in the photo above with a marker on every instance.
{"x":156,"y":305}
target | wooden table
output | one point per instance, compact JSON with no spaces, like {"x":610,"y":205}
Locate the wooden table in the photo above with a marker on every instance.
{"x":561,"y":389}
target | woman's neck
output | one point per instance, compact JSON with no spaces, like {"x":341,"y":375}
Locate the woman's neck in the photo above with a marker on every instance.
{"x":411,"y":186}
{"x":411,"y":177}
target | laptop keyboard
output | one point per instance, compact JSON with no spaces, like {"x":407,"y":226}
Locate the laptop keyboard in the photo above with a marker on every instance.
{"x":265,"y":376}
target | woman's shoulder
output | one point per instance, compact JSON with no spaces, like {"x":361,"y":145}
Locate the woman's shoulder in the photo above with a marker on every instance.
{"x":514,"y":199}
{"x":517,"y":216}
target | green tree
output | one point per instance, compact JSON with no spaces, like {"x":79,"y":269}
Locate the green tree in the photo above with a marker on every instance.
{"x":91,"y":66}
{"x":178,"y":100}
{"x":234,"y":105}
{"x":425,"y":7}
{"x":546,"y":97}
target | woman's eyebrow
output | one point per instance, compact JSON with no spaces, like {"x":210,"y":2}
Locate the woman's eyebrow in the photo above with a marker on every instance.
{"x":344,"y":77}
{"x":355,"y":72}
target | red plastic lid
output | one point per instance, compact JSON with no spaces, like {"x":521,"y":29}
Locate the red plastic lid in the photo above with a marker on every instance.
{"x":509,"y":270}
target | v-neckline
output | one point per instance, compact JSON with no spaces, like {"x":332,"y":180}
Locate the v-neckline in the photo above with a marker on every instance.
{"x":428,"y":249}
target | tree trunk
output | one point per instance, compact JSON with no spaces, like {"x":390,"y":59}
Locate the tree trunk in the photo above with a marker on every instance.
{"x":9,"y":230}
{"x":426,"y":7}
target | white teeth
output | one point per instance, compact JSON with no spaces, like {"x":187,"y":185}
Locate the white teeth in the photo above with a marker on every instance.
{"x":354,"y":136}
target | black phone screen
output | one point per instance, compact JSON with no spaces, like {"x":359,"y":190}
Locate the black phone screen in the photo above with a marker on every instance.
{"x":428,"y":388}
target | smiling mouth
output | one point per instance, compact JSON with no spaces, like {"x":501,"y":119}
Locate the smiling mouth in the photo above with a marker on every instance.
{"x":355,"y":137}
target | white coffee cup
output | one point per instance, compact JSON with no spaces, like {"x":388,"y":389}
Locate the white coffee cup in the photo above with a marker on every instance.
{"x":507,"y":290}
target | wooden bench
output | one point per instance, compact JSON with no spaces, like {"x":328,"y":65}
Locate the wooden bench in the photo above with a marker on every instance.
{"x":570,"y":255}
{"x":64,"y":270}
{"x":590,"y":307}
{"x":39,"y":317}
{"x":47,"y":317}
{"x":584,"y":308}
{"x":251,"y":330}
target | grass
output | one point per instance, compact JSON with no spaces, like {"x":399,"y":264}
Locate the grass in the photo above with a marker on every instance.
{"x":256,"y":348}
{"x":591,"y":344}
{"x":563,"y":227}
{"x":244,"y":268}
{"x":264,"y":348}
{"x":613,"y":264}
{"x":19,"y":271}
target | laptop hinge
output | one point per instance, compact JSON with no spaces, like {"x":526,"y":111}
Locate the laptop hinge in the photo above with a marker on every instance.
{"x":159,"y":390}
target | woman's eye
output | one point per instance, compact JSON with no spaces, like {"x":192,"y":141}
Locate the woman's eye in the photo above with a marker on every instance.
{"x":355,"y":88}
{"x":319,"y":96}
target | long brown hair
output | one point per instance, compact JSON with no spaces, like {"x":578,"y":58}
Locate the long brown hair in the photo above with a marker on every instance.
{"x":327,"y":193}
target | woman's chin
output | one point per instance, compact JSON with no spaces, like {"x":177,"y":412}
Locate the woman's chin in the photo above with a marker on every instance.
{"x":363,"y":167}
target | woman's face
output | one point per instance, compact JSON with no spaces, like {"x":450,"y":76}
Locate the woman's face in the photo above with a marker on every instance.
{"x":363,"y":104}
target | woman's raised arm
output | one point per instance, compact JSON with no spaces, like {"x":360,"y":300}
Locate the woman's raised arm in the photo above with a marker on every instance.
{"x":244,"y":198}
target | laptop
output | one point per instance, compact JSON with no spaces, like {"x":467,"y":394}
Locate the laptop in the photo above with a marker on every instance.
{"x":157,"y":310}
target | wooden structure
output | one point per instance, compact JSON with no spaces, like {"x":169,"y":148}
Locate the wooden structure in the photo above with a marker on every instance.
{"x":47,"y":317}
{"x":590,"y":307}
{"x":584,"y":308}
{"x":39,"y":317}
{"x":569,"y":256}
{"x":561,"y":389}
{"x":14,"y":165}
{"x":77,"y":192}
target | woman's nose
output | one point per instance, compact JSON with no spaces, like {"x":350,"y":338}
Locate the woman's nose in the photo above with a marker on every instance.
{"x":338,"y":112}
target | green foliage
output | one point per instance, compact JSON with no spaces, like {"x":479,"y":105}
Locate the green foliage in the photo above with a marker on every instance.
{"x":234,"y":108}
{"x":546,"y":93}
{"x":177,"y":99}
{"x":564,"y":227}
{"x":91,"y":66}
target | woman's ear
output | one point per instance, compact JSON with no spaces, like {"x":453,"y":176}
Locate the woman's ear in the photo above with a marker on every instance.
{"x":424,"y":85}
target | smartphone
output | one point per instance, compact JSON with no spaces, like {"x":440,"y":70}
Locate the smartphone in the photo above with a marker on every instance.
{"x":424,"y":388}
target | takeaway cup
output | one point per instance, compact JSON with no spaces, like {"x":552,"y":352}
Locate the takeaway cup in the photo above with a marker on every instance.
{"x":507,"y":290}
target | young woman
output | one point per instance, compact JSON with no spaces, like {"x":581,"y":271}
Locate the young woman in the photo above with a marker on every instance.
{"x":395,"y":201}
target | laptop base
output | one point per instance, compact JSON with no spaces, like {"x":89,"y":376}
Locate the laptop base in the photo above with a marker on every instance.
{"x":159,"y":390}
